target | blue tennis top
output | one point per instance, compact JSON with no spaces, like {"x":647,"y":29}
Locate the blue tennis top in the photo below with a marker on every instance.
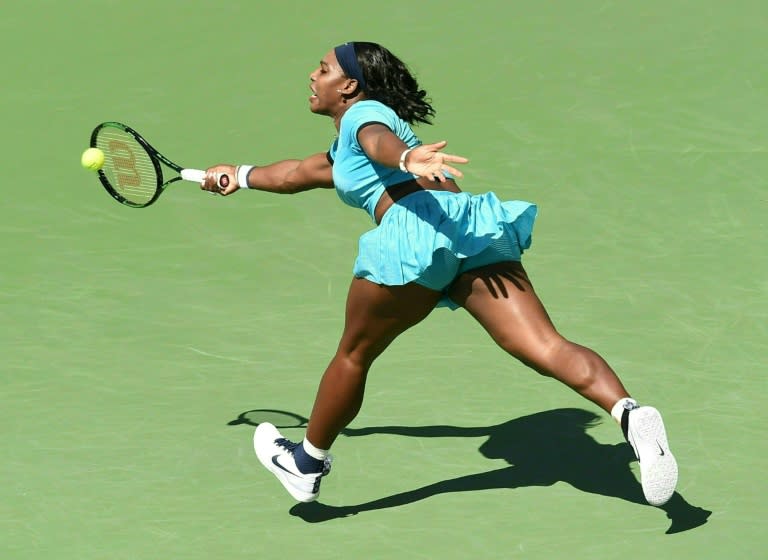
{"x":359,"y":180}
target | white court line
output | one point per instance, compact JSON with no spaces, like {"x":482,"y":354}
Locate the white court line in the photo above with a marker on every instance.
{"x":239,"y":360}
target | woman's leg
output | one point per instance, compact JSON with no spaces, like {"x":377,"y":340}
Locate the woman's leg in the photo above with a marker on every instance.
{"x":502,"y":299}
{"x":375,"y":316}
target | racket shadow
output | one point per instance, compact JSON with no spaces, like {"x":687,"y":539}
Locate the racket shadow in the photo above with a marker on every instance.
{"x":540,"y":449}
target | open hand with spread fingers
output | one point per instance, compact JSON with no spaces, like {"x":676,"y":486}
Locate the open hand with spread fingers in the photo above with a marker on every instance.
{"x":427,"y":160}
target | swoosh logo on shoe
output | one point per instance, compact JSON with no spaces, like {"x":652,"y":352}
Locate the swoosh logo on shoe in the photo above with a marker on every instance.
{"x":281,"y":467}
{"x":661,"y":449}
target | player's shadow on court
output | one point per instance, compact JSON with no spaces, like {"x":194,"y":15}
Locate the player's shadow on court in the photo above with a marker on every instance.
{"x":541,"y":449}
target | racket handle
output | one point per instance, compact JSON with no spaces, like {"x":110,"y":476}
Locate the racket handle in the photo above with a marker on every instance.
{"x":198,"y":176}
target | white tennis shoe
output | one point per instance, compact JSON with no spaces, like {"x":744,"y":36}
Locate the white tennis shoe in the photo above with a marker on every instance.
{"x":645,"y":432}
{"x":276,"y":454}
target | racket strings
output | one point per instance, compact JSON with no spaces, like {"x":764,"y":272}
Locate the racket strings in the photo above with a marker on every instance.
{"x":127,"y":165}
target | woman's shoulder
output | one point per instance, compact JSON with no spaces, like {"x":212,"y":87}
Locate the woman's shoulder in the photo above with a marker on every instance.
{"x":369,"y":106}
{"x":365,"y":112}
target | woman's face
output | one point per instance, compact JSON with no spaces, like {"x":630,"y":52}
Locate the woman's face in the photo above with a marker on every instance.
{"x":327,"y":83}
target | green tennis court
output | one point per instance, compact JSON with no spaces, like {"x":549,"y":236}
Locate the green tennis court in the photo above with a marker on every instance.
{"x":135,"y":342}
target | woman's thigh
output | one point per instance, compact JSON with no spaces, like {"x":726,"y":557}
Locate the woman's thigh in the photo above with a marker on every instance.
{"x":377,"y":314}
{"x":502,"y":299}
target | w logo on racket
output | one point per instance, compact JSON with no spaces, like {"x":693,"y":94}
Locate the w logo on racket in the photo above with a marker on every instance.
{"x":124,"y":162}
{"x":134,"y":172}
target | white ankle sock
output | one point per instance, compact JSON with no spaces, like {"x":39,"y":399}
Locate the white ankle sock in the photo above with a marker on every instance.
{"x":621,"y":404}
{"x":313,"y":451}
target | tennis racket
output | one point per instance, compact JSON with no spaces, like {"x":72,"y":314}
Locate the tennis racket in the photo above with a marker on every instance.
{"x":135,"y":173}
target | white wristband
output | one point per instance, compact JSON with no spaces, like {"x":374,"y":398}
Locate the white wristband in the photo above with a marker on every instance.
{"x":402,"y":160}
{"x":241,"y":172}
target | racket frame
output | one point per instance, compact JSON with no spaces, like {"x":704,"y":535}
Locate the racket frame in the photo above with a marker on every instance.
{"x":155,"y":157}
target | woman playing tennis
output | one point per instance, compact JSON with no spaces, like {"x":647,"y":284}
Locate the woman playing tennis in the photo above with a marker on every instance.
{"x":433,"y":245}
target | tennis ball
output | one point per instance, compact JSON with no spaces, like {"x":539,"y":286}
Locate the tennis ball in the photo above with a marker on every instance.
{"x":93,"y":159}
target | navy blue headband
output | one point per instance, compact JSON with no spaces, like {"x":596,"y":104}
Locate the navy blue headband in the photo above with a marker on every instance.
{"x":347,"y":58}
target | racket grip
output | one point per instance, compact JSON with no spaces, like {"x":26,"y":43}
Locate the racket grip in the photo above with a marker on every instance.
{"x":198,"y":176}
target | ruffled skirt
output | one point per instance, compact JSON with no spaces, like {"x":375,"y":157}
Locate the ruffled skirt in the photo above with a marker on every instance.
{"x":430,"y":237}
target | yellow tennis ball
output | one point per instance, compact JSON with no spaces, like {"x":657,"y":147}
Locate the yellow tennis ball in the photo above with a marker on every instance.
{"x":93,"y":159}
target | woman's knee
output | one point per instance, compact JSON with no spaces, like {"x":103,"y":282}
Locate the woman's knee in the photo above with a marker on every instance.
{"x":533,"y":349}
{"x":577,"y":366}
{"x":358,"y":353}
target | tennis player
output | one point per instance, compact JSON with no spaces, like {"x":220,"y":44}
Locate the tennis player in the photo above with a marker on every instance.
{"x":433,"y":245}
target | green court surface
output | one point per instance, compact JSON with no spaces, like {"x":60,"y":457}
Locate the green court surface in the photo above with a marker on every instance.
{"x":133,"y":339}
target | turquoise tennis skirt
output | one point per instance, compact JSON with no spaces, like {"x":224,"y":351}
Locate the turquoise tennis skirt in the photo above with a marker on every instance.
{"x":430,"y":237}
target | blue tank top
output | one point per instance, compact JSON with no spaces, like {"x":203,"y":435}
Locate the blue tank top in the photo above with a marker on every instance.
{"x":359,"y":180}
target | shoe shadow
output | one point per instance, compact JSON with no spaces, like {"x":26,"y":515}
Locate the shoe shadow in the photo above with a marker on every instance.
{"x":540,"y":449}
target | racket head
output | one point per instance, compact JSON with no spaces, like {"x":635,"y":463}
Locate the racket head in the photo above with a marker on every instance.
{"x":131,"y":173}
{"x":279,"y":418}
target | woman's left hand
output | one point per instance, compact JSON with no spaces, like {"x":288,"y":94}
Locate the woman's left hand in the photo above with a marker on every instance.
{"x":427,"y":160}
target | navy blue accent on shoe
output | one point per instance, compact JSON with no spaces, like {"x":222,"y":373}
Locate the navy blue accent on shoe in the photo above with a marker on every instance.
{"x":287,"y":444}
{"x":304,"y":462}
{"x":625,"y":423}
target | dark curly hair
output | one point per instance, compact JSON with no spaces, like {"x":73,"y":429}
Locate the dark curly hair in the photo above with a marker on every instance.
{"x":388,"y":80}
